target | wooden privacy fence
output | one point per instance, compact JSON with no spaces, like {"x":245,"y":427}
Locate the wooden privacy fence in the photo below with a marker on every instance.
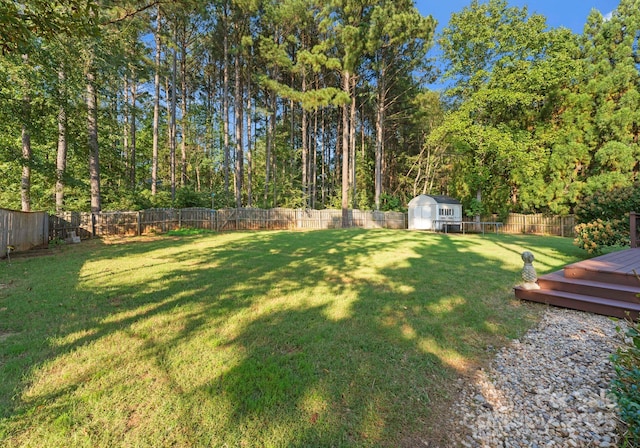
{"x":22,"y":230}
{"x":539,"y":224}
{"x":144,"y":222}
{"x":150,"y":221}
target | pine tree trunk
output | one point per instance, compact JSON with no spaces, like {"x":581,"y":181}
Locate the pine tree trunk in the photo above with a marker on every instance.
{"x":271,"y":133}
{"x":61,"y":156}
{"x":125,"y":119}
{"x":379,"y":143}
{"x":132,"y":171}
{"x":345,"y":153}
{"x":183,"y":121}
{"x":267,"y":158}
{"x":172,"y":127}
{"x":237,"y":109}
{"x":156,"y":109}
{"x":314,"y":165}
{"x":323,"y":160}
{"x":305,"y":149}
{"x":225,"y":104}
{"x":352,"y":141}
{"x":249,"y":153}
{"x":25,"y":181}
{"x":479,"y":199}
{"x":92,"y":137}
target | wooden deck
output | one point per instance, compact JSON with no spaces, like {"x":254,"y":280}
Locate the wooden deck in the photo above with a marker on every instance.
{"x":607,"y":285}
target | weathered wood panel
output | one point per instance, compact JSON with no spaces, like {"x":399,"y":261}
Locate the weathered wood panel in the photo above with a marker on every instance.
{"x":539,"y":224}
{"x":22,"y":230}
{"x":163,"y":220}
{"x":225,"y":220}
{"x":62,"y":224}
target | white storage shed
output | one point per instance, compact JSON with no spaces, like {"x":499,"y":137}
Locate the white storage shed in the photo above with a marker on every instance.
{"x":434,"y":213}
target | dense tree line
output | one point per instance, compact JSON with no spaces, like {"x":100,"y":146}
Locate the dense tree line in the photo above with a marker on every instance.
{"x":541,"y":117}
{"x":307,"y":103}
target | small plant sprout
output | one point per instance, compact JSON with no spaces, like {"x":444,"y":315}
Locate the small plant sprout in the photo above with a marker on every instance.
{"x":10,"y":249}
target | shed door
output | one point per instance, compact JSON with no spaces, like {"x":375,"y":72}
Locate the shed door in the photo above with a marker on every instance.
{"x":423,"y":218}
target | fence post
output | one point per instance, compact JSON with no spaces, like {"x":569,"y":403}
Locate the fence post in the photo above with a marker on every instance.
{"x":633,"y":229}
{"x":45,"y":230}
{"x":93,"y":225}
{"x":139,"y":223}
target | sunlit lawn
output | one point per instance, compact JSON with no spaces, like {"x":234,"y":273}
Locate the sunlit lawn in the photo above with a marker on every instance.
{"x":326,"y":338}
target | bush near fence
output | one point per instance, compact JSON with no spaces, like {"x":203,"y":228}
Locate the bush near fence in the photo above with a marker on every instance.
{"x":151,"y":221}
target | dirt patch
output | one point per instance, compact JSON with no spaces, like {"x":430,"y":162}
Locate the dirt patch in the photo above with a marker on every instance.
{"x":6,"y":335}
{"x":39,"y":252}
{"x":114,"y":240}
{"x":441,"y":426}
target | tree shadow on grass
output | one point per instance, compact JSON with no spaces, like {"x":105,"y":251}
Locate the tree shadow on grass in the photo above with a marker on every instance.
{"x":251,"y":339}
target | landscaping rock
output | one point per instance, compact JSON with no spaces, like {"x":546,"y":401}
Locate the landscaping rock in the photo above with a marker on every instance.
{"x":548,"y":389}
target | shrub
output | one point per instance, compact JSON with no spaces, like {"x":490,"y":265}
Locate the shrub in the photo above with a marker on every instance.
{"x":390,"y":203}
{"x":603,"y":218}
{"x":626,"y":385}
{"x":608,"y":205}
{"x":128,"y":201}
{"x":188,"y":197}
{"x":592,"y":236}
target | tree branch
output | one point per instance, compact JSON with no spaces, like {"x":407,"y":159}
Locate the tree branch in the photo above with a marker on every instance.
{"x":129,"y":14}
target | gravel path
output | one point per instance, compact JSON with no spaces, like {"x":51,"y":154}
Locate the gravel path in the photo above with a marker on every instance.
{"x":549,"y":389}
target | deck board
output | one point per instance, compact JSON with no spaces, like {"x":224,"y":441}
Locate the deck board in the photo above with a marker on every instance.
{"x":621,"y":262}
{"x":607,"y":284}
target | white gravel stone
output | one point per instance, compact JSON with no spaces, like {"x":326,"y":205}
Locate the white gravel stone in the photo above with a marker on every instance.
{"x":548,"y":389}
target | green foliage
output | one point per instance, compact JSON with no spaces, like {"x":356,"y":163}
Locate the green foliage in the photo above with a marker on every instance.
{"x":390,"y":203}
{"x":223,"y":199}
{"x":162,"y":199}
{"x":500,"y":61}
{"x":608,"y":205}
{"x":187,"y":197}
{"x":596,"y":142}
{"x":533,"y":119}
{"x":128,"y":201}
{"x":474,"y":208}
{"x":604,"y":218}
{"x":626,"y":385}
{"x":594,"y":235}
{"x":22,"y":22}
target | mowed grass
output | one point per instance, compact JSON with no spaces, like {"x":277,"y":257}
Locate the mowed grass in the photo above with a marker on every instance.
{"x":255,"y":339}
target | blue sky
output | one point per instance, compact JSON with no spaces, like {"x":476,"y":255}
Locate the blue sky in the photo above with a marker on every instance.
{"x":571,"y":14}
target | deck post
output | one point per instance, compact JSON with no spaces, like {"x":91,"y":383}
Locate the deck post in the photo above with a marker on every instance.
{"x":633,"y":229}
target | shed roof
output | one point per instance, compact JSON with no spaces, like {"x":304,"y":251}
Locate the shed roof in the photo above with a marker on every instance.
{"x":424,"y":199}
{"x":445,"y":200}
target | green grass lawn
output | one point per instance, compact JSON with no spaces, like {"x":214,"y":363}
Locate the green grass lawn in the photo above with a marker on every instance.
{"x":255,"y":339}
